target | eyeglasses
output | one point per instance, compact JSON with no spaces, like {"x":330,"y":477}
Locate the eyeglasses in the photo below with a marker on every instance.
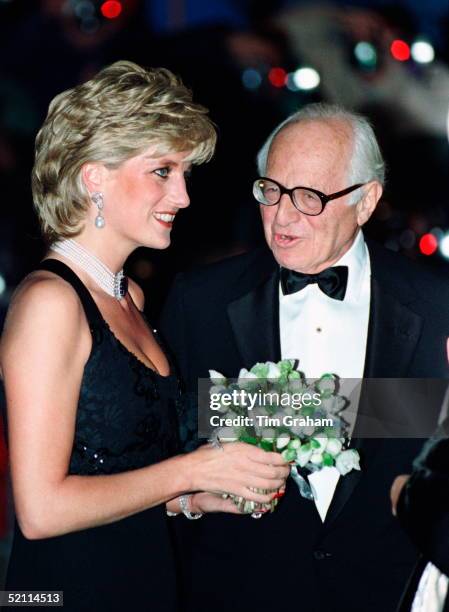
{"x":306,"y":200}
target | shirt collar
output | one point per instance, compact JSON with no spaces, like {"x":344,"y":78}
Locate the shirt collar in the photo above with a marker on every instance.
{"x":357,"y":260}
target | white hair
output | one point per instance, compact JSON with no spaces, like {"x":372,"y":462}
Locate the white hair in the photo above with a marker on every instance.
{"x":367,"y":163}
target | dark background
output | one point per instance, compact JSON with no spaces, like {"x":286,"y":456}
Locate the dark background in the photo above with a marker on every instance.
{"x":226,"y":51}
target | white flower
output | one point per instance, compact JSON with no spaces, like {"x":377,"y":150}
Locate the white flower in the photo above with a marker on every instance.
{"x":316,"y":458}
{"x":333,"y":404}
{"x":327,"y":384}
{"x":260,"y":370}
{"x":295,"y":443}
{"x":303,"y":456}
{"x":282,"y":441}
{"x":274,"y":372}
{"x":246,"y":379}
{"x":333,"y":446}
{"x":295,"y":386}
{"x":217,"y":377}
{"x":288,"y":454}
{"x":244,"y":373}
{"x":347,"y":460}
{"x":290,"y":362}
{"x":322,"y":441}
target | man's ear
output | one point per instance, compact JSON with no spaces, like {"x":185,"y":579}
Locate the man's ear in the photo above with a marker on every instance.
{"x":367,"y":205}
{"x":93,"y":175}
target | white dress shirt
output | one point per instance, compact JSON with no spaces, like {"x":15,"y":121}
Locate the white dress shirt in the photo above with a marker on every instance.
{"x":329,"y":335}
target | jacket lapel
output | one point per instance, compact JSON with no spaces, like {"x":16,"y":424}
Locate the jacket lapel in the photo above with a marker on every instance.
{"x":254,"y":318}
{"x":393,"y":332}
{"x":346,"y":485}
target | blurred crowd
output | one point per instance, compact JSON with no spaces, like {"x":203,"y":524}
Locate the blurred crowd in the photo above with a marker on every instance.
{"x":251,"y":62}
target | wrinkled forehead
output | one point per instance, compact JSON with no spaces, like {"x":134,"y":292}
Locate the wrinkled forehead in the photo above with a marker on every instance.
{"x":316,"y":148}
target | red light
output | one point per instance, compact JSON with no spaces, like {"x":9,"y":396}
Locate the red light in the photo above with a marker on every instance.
{"x":277,"y":77}
{"x":428,"y":244}
{"x":400,"y":50}
{"x":111,"y":9}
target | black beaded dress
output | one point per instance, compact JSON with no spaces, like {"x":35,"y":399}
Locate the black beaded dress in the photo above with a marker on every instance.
{"x":126,"y":419}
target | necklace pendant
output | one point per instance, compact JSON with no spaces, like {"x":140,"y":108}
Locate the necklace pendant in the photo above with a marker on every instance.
{"x":120,"y":286}
{"x":115,"y":285}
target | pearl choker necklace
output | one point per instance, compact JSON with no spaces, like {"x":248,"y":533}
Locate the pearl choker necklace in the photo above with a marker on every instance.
{"x":115,"y":285}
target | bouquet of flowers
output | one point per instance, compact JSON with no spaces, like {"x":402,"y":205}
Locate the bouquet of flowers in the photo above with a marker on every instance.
{"x":275,"y":407}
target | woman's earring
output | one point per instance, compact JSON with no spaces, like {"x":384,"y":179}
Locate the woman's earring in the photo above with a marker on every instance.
{"x":98,"y":199}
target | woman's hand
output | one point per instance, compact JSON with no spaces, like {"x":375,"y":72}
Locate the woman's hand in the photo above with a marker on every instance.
{"x":237,"y":468}
{"x":202,"y":503}
{"x":212,"y":502}
{"x":396,"y":489}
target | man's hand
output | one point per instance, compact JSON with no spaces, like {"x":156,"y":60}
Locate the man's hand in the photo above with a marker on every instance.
{"x":396,"y":489}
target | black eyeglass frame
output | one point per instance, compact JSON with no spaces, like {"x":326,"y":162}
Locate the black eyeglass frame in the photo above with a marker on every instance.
{"x":324,"y":198}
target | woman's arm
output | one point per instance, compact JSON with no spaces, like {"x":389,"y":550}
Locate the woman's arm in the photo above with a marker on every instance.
{"x":421,"y":500}
{"x":45,"y":346}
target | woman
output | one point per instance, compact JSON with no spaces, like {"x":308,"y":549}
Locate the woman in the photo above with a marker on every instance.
{"x":90,"y":392}
{"x":421,"y":502}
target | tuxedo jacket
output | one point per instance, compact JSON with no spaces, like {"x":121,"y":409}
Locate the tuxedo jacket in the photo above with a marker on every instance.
{"x":225,"y":317}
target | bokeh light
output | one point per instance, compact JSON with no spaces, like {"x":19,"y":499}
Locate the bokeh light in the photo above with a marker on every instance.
{"x":290,"y":83}
{"x":400,"y":50}
{"x":444,"y":246}
{"x":422,"y":52}
{"x":277,"y":77}
{"x":366,"y":53}
{"x":251,"y":78}
{"x":85,"y":9}
{"x":111,"y":9}
{"x":306,"y":78}
{"x":428,"y":244}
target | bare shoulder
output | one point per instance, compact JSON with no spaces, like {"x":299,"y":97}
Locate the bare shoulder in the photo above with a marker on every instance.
{"x":43,"y":291}
{"x":43,"y":306}
{"x":137,"y":294}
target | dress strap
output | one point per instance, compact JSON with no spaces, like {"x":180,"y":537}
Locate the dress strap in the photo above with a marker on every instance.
{"x":92,"y":311}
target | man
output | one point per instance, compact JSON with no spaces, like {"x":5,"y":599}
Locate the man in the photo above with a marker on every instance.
{"x":361,"y":312}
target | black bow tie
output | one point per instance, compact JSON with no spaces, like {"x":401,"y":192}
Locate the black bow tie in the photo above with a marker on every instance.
{"x":331,"y":281}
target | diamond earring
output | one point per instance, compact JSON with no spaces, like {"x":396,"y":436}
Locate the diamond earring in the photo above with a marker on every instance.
{"x":98,"y":199}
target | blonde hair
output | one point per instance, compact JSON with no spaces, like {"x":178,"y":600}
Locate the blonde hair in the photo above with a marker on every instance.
{"x":114,"y":116}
